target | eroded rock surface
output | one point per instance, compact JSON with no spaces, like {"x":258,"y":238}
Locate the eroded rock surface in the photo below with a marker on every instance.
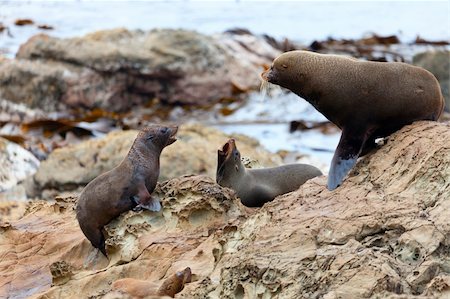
{"x":195,"y":152}
{"x":117,"y":69}
{"x":383,"y":234}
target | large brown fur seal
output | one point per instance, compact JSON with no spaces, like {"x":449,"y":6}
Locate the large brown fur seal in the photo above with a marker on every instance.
{"x":127,"y":185}
{"x":366,"y":100}
{"x":142,"y":289}
{"x":257,"y":186}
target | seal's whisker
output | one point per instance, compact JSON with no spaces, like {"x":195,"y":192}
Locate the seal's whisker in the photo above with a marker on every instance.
{"x":265,"y":89}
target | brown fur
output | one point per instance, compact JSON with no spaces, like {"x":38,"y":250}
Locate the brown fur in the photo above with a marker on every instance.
{"x":255,"y":187}
{"x":367,"y":100}
{"x":124,"y":187}
{"x":175,"y":283}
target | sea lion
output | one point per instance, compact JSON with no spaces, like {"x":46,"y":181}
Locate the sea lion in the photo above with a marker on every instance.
{"x":255,"y":187}
{"x":142,"y":289}
{"x":124,"y":187}
{"x":366,"y":100}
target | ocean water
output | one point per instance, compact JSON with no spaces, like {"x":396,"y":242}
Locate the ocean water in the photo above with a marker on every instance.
{"x":302,"y":21}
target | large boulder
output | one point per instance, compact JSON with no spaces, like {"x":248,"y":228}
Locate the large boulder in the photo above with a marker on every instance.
{"x":116,"y":69}
{"x":16,"y":164}
{"x":438,"y":63}
{"x":383,"y":234}
{"x":195,"y":152}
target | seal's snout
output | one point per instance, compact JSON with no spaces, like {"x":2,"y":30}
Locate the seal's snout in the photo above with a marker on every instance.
{"x":229,"y":147}
{"x":171,"y":132}
{"x":185,"y":275}
{"x":270,"y":75}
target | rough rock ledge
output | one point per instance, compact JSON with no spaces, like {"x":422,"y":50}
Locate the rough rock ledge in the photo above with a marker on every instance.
{"x":385,"y":233}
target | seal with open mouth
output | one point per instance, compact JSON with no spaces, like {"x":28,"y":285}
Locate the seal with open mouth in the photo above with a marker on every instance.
{"x":255,"y":187}
{"x":126,"y":186}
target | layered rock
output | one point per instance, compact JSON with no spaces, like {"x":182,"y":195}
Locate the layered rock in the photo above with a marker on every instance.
{"x":117,"y":69}
{"x":383,"y":234}
{"x":195,"y":152}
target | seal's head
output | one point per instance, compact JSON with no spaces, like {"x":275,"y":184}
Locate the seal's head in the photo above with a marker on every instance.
{"x":229,"y":164}
{"x":175,"y":283}
{"x":185,"y":276}
{"x":286,"y":70}
{"x":158,"y":136}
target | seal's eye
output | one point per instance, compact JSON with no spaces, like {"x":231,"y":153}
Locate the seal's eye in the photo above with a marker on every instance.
{"x":164,"y":130}
{"x":150,"y":137}
{"x":284,"y":66}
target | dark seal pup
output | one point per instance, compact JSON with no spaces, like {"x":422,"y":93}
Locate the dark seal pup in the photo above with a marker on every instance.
{"x":366,"y":100}
{"x":124,"y":187}
{"x":257,"y":186}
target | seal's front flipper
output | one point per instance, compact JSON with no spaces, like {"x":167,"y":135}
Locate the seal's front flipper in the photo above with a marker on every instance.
{"x":145,"y":200}
{"x":345,"y":156}
{"x":153,"y":204}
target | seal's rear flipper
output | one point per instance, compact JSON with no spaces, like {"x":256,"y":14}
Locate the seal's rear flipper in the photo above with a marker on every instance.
{"x":345,"y":156}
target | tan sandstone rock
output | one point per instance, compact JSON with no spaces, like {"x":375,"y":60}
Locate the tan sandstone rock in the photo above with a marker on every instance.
{"x":383,"y":234}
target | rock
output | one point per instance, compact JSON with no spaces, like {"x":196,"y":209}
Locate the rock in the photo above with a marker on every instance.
{"x":438,"y":63}
{"x":48,"y":239}
{"x":383,"y":234}
{"x":194,"y":152}
{"x":61,"y":272}
{"x":117,"y":69}
{"x":11,"y":209}
{"x":36,"y":84}
{"x":16,"y":164}
{"x":10,"y":112}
